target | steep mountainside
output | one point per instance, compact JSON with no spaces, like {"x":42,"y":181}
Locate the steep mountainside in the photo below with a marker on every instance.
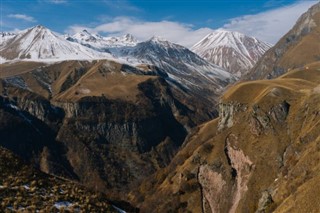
{"x":297,"y":48}
{"x":24,"y":189}
{"x":101,"y":43}
{"x":85,"y":120}
{"x":233,"y":51}
{"x":183,"y":67}
{"x":39,"y":43}
{"x":261,"y":155}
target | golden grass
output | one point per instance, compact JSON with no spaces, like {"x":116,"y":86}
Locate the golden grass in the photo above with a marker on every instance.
{"x":73,"y":80}
{"x":18,"y":68}
{"x":296,"y":172}
{"x":290,"y":83}
{"x":115,"y":85}
{"x":306,"y":51}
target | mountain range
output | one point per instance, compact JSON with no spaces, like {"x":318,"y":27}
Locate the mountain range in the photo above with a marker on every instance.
{"x":101,"y":43}
{"x":183,"y":68}
{"x":220,"y":48}
{"x":151,"y":126}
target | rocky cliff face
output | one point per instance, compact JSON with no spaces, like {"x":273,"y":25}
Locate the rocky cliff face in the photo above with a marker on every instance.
{"x":115,"y":130}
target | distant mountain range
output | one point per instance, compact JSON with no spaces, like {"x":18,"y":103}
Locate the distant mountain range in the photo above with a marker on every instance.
{"x":232,"y":51}
{"x":184,"y":69}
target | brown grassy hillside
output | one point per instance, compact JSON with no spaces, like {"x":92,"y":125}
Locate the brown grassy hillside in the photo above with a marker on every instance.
{"x":261,"y":155}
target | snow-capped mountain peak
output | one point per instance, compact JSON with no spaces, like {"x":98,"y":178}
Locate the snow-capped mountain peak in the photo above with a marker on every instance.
{"x":233,"y":51}
{"x":100,"y":43}
{"x":157,"y":39}
{"x":84,"y":31}
{"x":84,"y":35}
{"x":129,"y":38}
{"x":39,"y":43}
{"x":4,"y":36}
{"x":121,"y":41}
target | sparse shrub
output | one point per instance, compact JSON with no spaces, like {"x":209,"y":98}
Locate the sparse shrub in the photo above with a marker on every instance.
{"x":189,"y":175}
{"x":207,"y":148}
{"x":196,"y":159}
{"x":188,"y":186}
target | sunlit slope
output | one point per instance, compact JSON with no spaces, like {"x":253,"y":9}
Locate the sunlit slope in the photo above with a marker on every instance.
{"x":261,"y":155}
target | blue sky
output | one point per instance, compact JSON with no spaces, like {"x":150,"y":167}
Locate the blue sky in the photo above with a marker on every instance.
{"x":181,"y":21}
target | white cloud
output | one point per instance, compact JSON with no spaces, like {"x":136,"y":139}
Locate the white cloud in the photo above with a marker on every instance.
{"x":271,"y":25}
{"x":22,"y":17}
{"x":176,"y":32}
{"x":268,"y":26}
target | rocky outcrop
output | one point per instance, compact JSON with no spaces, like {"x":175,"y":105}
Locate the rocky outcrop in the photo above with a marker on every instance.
{"x":264,"y":202}
{"x":280,"y":112}
{"x":242,"y":168}
{"x":222,"y":192}
{"x":39,"y":108}
{"x":227,"y":113}
{"x":213,"y":186}
{"x":260,"y":119}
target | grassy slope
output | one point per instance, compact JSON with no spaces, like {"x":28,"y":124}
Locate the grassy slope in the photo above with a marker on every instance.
{"x":73,"y":80}
{"x":285,"y":154}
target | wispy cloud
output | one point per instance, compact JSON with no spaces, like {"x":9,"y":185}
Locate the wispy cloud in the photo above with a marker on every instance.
{"x":271,"y":25}
{"x":22,"y":17}
{"x":180,"y":33}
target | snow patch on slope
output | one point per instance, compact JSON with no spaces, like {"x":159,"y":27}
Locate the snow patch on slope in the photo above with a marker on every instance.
{"x":181,"y":65}
{"x":233,"y":51}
